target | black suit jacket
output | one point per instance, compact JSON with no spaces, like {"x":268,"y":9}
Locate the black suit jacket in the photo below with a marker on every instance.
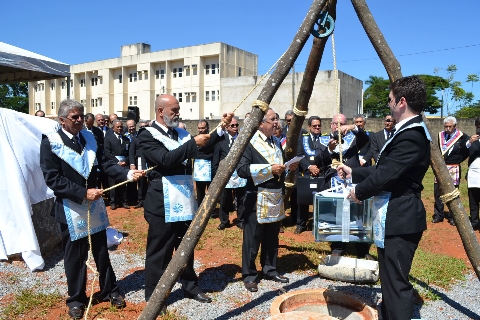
{"x":400,"y":170}
{"x":168,"y":163}
{"x":377,"y":141}
{"x":458,"y":152}
{"x":220,"y":152}
{"x":135,"y":152}
{"x":307,"y":160}
{"x":67,"y":183}
{"x":350,"y":157}
{"x":113,"y":147}
{"x":473,"y":152}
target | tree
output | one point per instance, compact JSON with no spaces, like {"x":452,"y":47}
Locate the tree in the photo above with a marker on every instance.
{"x":471,"y":111}
{"x":454,"y":96}
{"x":375,"y":96}
{"x":14,"y":96}
{"x":472,"y":78}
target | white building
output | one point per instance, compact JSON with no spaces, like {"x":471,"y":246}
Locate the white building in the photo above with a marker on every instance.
{"x":192,"y":74}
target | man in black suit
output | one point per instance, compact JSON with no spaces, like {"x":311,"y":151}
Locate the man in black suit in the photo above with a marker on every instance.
{"x":379,"y":138}
{"x":98,"y":134}
{"x":132,"y":187}
{"x":102,"y":177}
{"x":116,"y":149}
{"x":473,"y":176}
{"x":167,"y":209}
{"x":397,"y":178}
{"x":202,"y":168}
{"x":69,"y":164}
{"x":234,"y":191}
{"x":363,"y":156}
{"x":454,"y":146}
{"x":137,"y":161}
{"x":262,"y":166}
{"x":309,"y":146}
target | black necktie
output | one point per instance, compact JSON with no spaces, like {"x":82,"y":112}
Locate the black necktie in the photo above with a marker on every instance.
{"x":269,"y":141}
{"x":447,"y":137}
{"x":231,"y":142}
{"x":76,"y":142}
{"x":120,"y":139}
{"x":172,"y":133}
{"x":316,"y":143}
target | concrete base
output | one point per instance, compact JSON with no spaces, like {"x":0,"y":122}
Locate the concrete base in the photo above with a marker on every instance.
{"x":332,"y":303}
{"x":301,"y":315}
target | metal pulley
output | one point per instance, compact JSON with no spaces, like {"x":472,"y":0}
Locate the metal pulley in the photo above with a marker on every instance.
{"x":324,"y":23}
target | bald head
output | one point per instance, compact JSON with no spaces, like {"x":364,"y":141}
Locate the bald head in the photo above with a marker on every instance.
{"x":336,"y":118}
{"x":167,"y":110}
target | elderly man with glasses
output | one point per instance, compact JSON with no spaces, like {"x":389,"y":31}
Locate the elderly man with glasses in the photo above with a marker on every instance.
{"x":262,"y":165}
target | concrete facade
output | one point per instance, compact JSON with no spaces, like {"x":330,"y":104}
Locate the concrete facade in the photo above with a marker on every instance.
{"x":192,"y":74}
{"x":322,"y":102}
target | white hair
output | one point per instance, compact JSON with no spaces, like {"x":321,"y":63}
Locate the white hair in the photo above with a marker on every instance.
{"x":450,"y":119}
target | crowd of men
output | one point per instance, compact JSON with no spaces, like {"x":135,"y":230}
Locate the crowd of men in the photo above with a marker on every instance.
{"x":81,"y":160}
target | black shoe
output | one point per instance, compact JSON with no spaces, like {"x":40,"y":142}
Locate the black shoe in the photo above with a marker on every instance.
{"x":113,"y":207}
{"x":476,"y":227}
{"x":251,"y":286}
{"x":277,"y":278}
{"x":299,"y":230}
{"x":117,"y":301}
{"x":240,"y":225}
{"x":201,"y":297}
{"x":437,"y":220}
{"x":139,"y":205}
{"x":124,"y":205}
{"x":222,"y":226}
{"x":452,"y":222}
{"x":75,"y":312}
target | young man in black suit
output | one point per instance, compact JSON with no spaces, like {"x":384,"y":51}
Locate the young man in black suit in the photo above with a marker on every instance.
{"x":262,"y":166}
{"x":398,"y":175}
{"x":235,"y":189}
{"x":69,"y":164}
{"x":116,"y":149}
{"x":167,"y":209}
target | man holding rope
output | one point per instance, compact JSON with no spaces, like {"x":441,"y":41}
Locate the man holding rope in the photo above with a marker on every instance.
{"x":170,"y":200}
{"x":69,"y":165}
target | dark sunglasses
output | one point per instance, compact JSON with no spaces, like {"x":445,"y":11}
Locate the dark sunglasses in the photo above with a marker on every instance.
{"x":235,"y":125}
{"x":388,"y":120}
{"x":76,"y":117}
{"x":288,"y":120}
{"x":316,"y":126}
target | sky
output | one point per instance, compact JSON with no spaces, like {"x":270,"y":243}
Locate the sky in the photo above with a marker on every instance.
{"x":424,"y":35}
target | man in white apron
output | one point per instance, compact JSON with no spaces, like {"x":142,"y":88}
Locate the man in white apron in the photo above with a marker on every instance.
{"x":395,"y":184}
{"x":69,"y":165}
{"x":262,"y":166}
{"x":170,"y":201}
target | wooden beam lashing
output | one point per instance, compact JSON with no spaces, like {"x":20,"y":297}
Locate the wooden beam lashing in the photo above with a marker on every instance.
{"x":179,"y":261}
{"x":470,"y":242}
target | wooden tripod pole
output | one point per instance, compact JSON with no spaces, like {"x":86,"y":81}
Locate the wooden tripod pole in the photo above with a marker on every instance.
{"x":179,"y":261}
{"x":470,"y":242}
{"x":306,"y":88}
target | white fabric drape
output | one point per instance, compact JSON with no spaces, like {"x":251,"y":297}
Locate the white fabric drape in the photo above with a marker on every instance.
{"x":21,"y":183}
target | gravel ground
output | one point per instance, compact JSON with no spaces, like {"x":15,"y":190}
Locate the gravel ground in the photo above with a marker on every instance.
{"x":230,"y":299}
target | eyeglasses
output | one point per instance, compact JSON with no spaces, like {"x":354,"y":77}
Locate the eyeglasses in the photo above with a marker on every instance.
{"x":388,"y":120}
{"x":234,"y":125}
{"x":316,"y":126}
{"x":76,"y":118}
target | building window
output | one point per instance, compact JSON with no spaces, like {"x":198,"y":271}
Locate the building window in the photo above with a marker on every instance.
{"x":239,"y":71}
{"x":94,"y":82}
{"x":218,"y":95}
{"x":145,"y":76}
{"x":100,"y":102}
{"x":93,"y":102}
{"x":52,"y":85}
{"x":162,"y":74}
{"x":207,"y":97}
{"x":187,"y":98}
{"x":194,"y":71}
{"x":213,"y":95}
{"x":37,"y":106}
{"x":194,"y":96}
{"x":134,"y":100}
{"x":71,"y":83}
{"x":63,"y":84}
{"x":36,"y":88}
{"x":213,"y":68}
{"x":131,"y":101}
{"x":53,"y":105}
{"x":139,"y":76}
{"x":157,"y":74}
{"x":187,"y":72}
{"x":134,"y":77}
{"x":207,"y":69}
{"x":174,"y":94}
{"x":180,"y":97}
{"x":174,"y":72}
{"x":120,"y":78}
{"x":180,"y":71}
{"x":82,"y":82}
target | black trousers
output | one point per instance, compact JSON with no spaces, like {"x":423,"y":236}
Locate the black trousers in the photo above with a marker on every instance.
{"x":142,"y":189}
{"x":201,"y":187}
{"x":132,"y":192}
{"x":294,"y":206}
{"x":395,"y":262}
{"x":76,"y":253}
{"x":254,"y":235}
{"x":302,"y":216}
{"x":118,"y":195}
{"x":227,"y":203}
{"x":439,"y":206}
{"x":162,"y":239}
{"x":473,"y":201}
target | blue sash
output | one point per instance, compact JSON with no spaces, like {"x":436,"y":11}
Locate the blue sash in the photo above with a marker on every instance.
{"x":235,"y":181}
{"x":347,"y":142}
